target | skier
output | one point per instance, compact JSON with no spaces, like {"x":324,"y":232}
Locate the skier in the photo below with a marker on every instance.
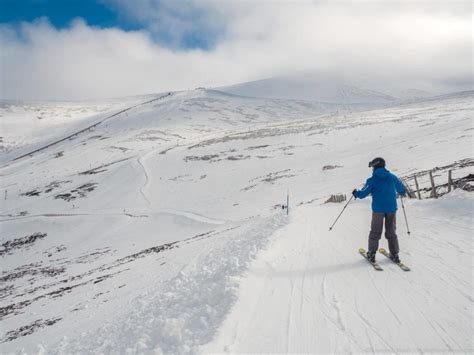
{"x":383,"y":185}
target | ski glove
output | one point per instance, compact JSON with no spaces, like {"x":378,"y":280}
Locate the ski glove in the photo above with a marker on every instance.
{"x":354,"y":193}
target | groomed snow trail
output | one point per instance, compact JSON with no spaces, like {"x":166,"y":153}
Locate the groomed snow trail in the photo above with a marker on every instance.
{"x":311,"y":292}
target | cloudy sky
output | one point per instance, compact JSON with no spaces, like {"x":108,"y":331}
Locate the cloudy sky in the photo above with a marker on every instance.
{"x":83,"y":49}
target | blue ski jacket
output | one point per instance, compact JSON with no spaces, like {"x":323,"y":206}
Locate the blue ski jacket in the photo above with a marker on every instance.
{"x":383,"y":185}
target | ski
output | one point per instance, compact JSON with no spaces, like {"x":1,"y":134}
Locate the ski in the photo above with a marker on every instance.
{"x":401,"y":265}
{"x":374,"y":264}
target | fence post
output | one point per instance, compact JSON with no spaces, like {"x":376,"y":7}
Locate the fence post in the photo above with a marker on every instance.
{"x":450,"y":180}
{"x":417,"y":188}
{"x":409,"y":191}
{"x":433,"y":186}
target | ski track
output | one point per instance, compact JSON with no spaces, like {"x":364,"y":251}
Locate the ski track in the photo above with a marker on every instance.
{"x":139,"y":161}
{"x":398,"y":297}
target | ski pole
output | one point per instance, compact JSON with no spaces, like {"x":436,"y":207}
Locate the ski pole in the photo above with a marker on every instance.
{"x":330,"y":228}
{"x":405,"y":214}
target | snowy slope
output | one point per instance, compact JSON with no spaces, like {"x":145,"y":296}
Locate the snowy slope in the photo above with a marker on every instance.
{"x":159,"y":229}
{"x":26,"y":125}
{"x":309,"y":292}
{"x":329,"y":88}
{"x":318,"y":89}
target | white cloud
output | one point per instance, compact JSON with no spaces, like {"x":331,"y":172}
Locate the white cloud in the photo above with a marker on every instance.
{"x":422,"y":45}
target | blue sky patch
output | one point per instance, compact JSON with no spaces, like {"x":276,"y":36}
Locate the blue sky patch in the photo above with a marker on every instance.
{"x":100,"y":13}
{"x":60,"y":13}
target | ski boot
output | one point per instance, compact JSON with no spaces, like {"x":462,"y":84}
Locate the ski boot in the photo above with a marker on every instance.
{"x":371,"y":256}
{"x":395,"y":258}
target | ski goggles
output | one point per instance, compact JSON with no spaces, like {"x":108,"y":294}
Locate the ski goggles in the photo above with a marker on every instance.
{"x":376,"y":162}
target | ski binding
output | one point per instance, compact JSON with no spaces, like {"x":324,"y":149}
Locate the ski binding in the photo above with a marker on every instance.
{"x":401,"y":265}
{"x":374,"y":264}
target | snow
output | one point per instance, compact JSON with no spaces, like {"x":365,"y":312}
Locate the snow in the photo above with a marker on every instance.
{"x":330,"y":88}
{"x":160,"y":230}
{"x":26,"y":123}
{"x":310,"y":292}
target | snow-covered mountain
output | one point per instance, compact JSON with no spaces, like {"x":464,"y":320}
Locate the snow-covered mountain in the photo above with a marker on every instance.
{"x":326,"y":87}
{"x":157,"y":227}
{"x":24,"y":124}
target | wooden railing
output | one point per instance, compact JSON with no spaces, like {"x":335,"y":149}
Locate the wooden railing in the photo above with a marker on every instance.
{"x":425,"y":184}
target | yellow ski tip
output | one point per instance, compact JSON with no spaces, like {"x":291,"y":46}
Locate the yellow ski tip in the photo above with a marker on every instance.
{"x":361,"y":250}
{"x":382,"y":250}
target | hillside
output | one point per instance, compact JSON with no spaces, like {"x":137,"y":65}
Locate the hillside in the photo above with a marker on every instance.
{"x":330,"y":88}
{"x":156,"y":226}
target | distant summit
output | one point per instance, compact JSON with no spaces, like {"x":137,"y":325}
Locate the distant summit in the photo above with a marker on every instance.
{"x":328,"y":88}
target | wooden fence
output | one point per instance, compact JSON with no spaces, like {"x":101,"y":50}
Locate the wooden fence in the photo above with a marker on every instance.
{"x":426,"y":184}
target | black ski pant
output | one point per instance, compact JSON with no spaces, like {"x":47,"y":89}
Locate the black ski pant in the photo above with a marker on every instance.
{"x":390,"y":231}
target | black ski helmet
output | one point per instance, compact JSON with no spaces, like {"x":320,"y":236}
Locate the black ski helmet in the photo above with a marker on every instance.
{"x":377,"y":163}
